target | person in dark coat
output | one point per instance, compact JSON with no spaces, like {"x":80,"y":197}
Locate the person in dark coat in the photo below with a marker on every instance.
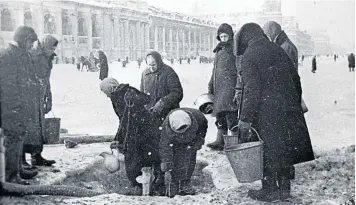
{"x":269,"y":76}
{"x":274,"y":31}
{"x":224,"y":85}
{"x":188,"y":60}
{"x":42,"y":57}
{"x":314,"y":64}
{"x":183,"y":134}
{"x":104,"y":68}
{"x":16,"y":69}
{"x":162,"y":84}
{"x":135,"y":137}
{"x":351,"y":59}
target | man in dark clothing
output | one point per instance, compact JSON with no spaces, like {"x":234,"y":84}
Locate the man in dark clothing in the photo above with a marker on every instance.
{"x":41,"y":101}
{"x":135,"y":137}
{"x":225,"y":86}
{"x":16,"y":69}
{"x":183,"y":134}
{"x":269,"y":76}
{"x":351,"y":59}
{"x":104,"y":67}
{"x":314,"y":64}
{"x":162,"y":84}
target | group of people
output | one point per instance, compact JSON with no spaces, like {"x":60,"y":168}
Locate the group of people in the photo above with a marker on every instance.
{"x":26,"y":97}
{"x":254,"y":84}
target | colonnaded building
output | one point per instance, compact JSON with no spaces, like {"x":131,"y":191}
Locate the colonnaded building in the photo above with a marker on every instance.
{"x":121,"y":29}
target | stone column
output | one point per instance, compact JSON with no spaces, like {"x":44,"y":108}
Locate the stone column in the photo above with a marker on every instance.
{"x":200,"y":41}
{"x":170,"y":42}
{"x":195,"y":42}
{"x":184,"y":44}
{"x":58,"y":21}
{"x":19,"y":16}
{"x":138,"y":39}
{"x":177,"y":38}
{"x":156,"y":38}
{"x":189,"y":42}
{"x":126,"y":34}
{"x":74,"y":19}
{"x":147,"y":41}
{"x":90,"y":32}
{"x":117,"y":36}
{"x":164,"y":39}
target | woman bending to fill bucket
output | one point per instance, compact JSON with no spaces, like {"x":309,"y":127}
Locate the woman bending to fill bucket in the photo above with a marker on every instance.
{"x":271,"y":103}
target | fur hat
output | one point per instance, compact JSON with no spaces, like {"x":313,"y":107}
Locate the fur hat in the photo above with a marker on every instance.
{"x":179,"y":121}
{"x":225,"y":28}
{"x":23,"y":33}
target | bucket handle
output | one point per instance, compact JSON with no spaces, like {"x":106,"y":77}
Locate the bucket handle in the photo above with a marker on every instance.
{"x":258,"y":135}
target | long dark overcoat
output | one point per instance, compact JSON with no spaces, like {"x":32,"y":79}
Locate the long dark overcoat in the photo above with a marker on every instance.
{"x":104,"y":67}
{"x":272,"y":100}
{"x":185,"y":146}
{"x":223,"y":80}
{"x":351,"y":59}
{"x":135,"y":134}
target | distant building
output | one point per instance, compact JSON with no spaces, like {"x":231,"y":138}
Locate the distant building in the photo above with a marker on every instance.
{"x":126,"y":28}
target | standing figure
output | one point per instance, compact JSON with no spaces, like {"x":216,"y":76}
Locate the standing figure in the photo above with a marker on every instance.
{"x":16,"y":71}
{"x":335,"y":57}
{"x":183,"y":134}
{"x":135,"y":137}
{"x":351,"y":59}
{"x":188,"y":60}
{"x":302,"y":58}
{"x":42,"y":102}
{"x":104,"y":68}
{"x":162,"y":84}
{"x":269,"y":76}
{"x":314,"y":65}
{"x":224,"y":86}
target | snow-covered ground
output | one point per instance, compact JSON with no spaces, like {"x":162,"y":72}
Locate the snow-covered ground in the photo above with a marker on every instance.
{"x":329,"y":94}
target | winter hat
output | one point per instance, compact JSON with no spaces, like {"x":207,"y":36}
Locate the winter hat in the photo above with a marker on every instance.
{"x":225,"y":28}
{"x":272,"y":29}
{"x":247,"y":34}
{"x":109,"y":85}
{"x":49,"y":41}
{"x":179,"y":121}
{"x":23,"y":33}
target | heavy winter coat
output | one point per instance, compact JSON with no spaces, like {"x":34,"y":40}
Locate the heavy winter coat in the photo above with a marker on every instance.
{"x":34,"y":140}
{"x":351,"y":59}
{"x":135,"y":134}
{"x":314,"y":64}
{"x":223,"y":81}
{"x":272,"y":99}
{"x":162,"y":85}
{"x":18,"y":84}
{"x":104,"y":68}
{"x":182,"y":155}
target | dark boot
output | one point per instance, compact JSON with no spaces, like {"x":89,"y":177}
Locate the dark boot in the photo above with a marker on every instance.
{"x":284,"y":188}
{"x":28,"y":174}
{"x":268,"y":193}
{"x":219,"y":142}
{"x":17,"y":180}
{"x":38,"y":160}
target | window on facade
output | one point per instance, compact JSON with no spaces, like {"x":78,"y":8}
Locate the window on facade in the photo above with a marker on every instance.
{"x":49,"y":24}
{"x":66,"y":25}
{"x":95,"y":26}
{"x":6,"y":21}
{"x":82,"y":27}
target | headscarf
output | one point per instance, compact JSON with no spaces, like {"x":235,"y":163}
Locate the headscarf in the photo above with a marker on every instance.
{"x":272,"y":29}
{"x":48,"y":42}
{"x":24,"y":33}
{"x":109,"y":85}
{"x":179,"y":121}
{"x":248,"y":33}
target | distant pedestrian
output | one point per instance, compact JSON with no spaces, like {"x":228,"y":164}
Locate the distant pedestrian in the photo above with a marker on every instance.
{"x":104,"y":68}
{"x":335,"y":57}
{"x":188,"y":60}
{"x":351,"y":59}
{"x":314,"y":64}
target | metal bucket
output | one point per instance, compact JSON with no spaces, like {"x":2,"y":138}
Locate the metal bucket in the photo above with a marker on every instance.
{"x":246,"y":159}
{"x":202,"y":101}
{"x":52,"y":128}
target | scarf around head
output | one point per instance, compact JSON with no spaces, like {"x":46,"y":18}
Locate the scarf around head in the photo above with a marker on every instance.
{"x":109,"y":85}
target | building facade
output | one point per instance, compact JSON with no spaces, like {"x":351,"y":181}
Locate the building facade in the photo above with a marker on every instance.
{"x":121,"y":29}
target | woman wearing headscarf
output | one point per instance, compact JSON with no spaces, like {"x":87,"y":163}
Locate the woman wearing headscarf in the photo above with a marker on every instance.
{"x":271,"y":103}
{"x":104,"y":68}
{"x":224,"y":85}
{"x":42,"y":57}
{"x":135,"y":138}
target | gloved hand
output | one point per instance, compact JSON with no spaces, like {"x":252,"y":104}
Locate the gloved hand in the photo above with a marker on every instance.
{"x":238,"y":96}
{"x":157,"y":108}
{"x":245,"y":131}
{"x":47,"y":106}
{"x":208,"y":109}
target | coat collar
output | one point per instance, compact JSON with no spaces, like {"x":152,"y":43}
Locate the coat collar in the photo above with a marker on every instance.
{"x":281,"y":38}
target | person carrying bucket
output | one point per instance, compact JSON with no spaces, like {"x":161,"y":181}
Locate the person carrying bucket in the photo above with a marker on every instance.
{"x":183,"y":134}
{"x":271,"y":104}
{"x":225,"y":86}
